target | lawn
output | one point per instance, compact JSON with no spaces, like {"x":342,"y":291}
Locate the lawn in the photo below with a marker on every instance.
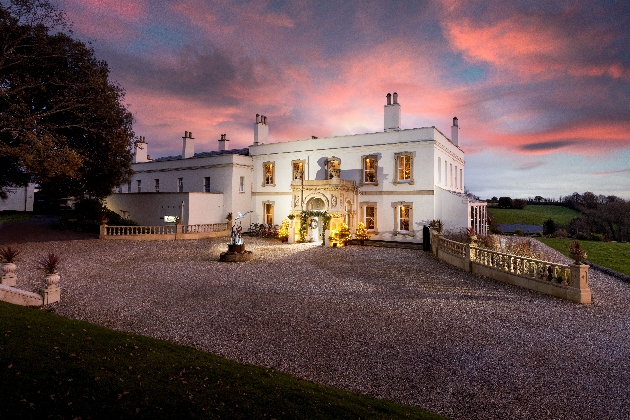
{"x":533,"y":215}
{"x":15,"y":217}
{"x":54,"y":367}
{"x":613,"y":255}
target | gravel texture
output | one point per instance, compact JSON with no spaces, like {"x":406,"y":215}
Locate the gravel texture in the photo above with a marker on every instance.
{"x":391,"y":323}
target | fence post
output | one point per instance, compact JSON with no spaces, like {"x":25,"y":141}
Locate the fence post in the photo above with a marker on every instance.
{"x":578,"y":290}
{"x":103,"y":231}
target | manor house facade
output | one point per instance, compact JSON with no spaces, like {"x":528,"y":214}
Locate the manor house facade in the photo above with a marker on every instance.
{"x":395,"y":181}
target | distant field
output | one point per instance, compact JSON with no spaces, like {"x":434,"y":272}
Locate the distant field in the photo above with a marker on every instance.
{"x":613,"y":255}
{"x":533,"y":215}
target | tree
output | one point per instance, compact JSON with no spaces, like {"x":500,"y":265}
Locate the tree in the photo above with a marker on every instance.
{"x":505,"y":203}
{"x":62,"y":122}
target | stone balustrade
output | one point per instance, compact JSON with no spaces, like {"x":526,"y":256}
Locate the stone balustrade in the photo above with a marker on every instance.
{"x":163,"y":232}
{"x":521,"y":266}
{"x":561,"y":280}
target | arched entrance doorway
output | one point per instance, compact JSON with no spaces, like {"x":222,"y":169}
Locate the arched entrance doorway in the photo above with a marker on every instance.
{"x":315,"y":223}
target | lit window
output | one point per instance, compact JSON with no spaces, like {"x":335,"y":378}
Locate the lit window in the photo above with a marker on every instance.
{"x":241,"y":185}
{"x":268,"y":174}
{"x":157,"y":185}
{"x":370,"y":217}
{"x":403,"y":218}
{"x":180,"y":184}
{"x":206,"y":184}
{"x":139,"y":185}
{"x":333,"y":168}
{"x":298,"y":169}
{"x":404,"y":167}
{"x":268,"y":213}
{"x":369,"y":170}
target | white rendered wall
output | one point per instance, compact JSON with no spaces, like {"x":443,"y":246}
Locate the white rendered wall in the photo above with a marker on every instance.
{"x":451,"y":209}
{"x":148,"y":209}
{"x":19,"y":199}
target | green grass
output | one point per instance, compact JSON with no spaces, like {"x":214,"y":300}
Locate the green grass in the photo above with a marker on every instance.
{"x":533,"y":215}
{"x":59,"y":368}
{"x":613,"y":255}
{"x":15,"y":217}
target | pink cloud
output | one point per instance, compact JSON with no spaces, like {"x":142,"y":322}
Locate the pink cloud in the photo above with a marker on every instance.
{"x":105,"y":19}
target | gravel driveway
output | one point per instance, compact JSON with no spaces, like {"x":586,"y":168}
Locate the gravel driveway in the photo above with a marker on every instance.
{"x":391,"y":323}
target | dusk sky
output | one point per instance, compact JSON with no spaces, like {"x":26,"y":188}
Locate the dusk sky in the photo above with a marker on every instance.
{"x":541,"y":88}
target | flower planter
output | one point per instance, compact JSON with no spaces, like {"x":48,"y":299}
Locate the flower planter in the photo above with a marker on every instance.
{"x":51,"y":280}
{"x":8,"y":277}
{"x":236,"y":248}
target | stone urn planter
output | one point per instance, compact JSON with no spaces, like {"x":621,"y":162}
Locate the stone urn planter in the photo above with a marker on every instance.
{"x":236,"y":248}
{"x":51,"y":280}
{"x":578,"y":256}
{"x":8,"y":275}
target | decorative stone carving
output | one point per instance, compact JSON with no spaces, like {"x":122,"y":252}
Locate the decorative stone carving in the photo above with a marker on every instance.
{"x":333,"y":200}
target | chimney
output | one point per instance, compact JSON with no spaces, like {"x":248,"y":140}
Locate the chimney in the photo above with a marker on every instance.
{"x":392,"y":113}
{"x":223,"y":142}
{"x":455,"y":132}
{"x":261,"y":130}
{"x":140,"y":155}
{"x":188,"y":149}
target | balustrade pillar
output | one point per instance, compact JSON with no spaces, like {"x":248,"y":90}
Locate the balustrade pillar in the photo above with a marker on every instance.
{"x":578,"y":290}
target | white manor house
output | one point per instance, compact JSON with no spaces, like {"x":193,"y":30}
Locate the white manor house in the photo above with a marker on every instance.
{"x":395,"y":181}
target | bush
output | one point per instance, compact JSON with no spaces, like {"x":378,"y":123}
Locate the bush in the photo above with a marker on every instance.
{"x":519,"y":204}
{"x":519,"y":232}
{"x":560,"y":233}
{"x":505,"y":203}
{"x":598,"y":237}
{"x":582,"y":236}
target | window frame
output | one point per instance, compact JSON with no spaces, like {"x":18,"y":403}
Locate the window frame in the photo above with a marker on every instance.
{"x":397,"y":206}
{"x":266,"y":215}
{"x":139,"y":185}
{"x":294,"y":171}
{"x":180,"y":185}
{"x":273,"y":174}
{"x":241,"y":184}
{"x":364,"y":171}
{"x":397,"y":157}
{"x":364,"y":206}
{"x":156,"y":185}
{"x":329,"y":163}
{"x":206,"y":184}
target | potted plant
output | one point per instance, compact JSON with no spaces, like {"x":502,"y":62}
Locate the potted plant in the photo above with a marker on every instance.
{"x":436,"y":225}
{"x":576,"y":252}
{"x":49,"y":265}
{"x":8,"y":256}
